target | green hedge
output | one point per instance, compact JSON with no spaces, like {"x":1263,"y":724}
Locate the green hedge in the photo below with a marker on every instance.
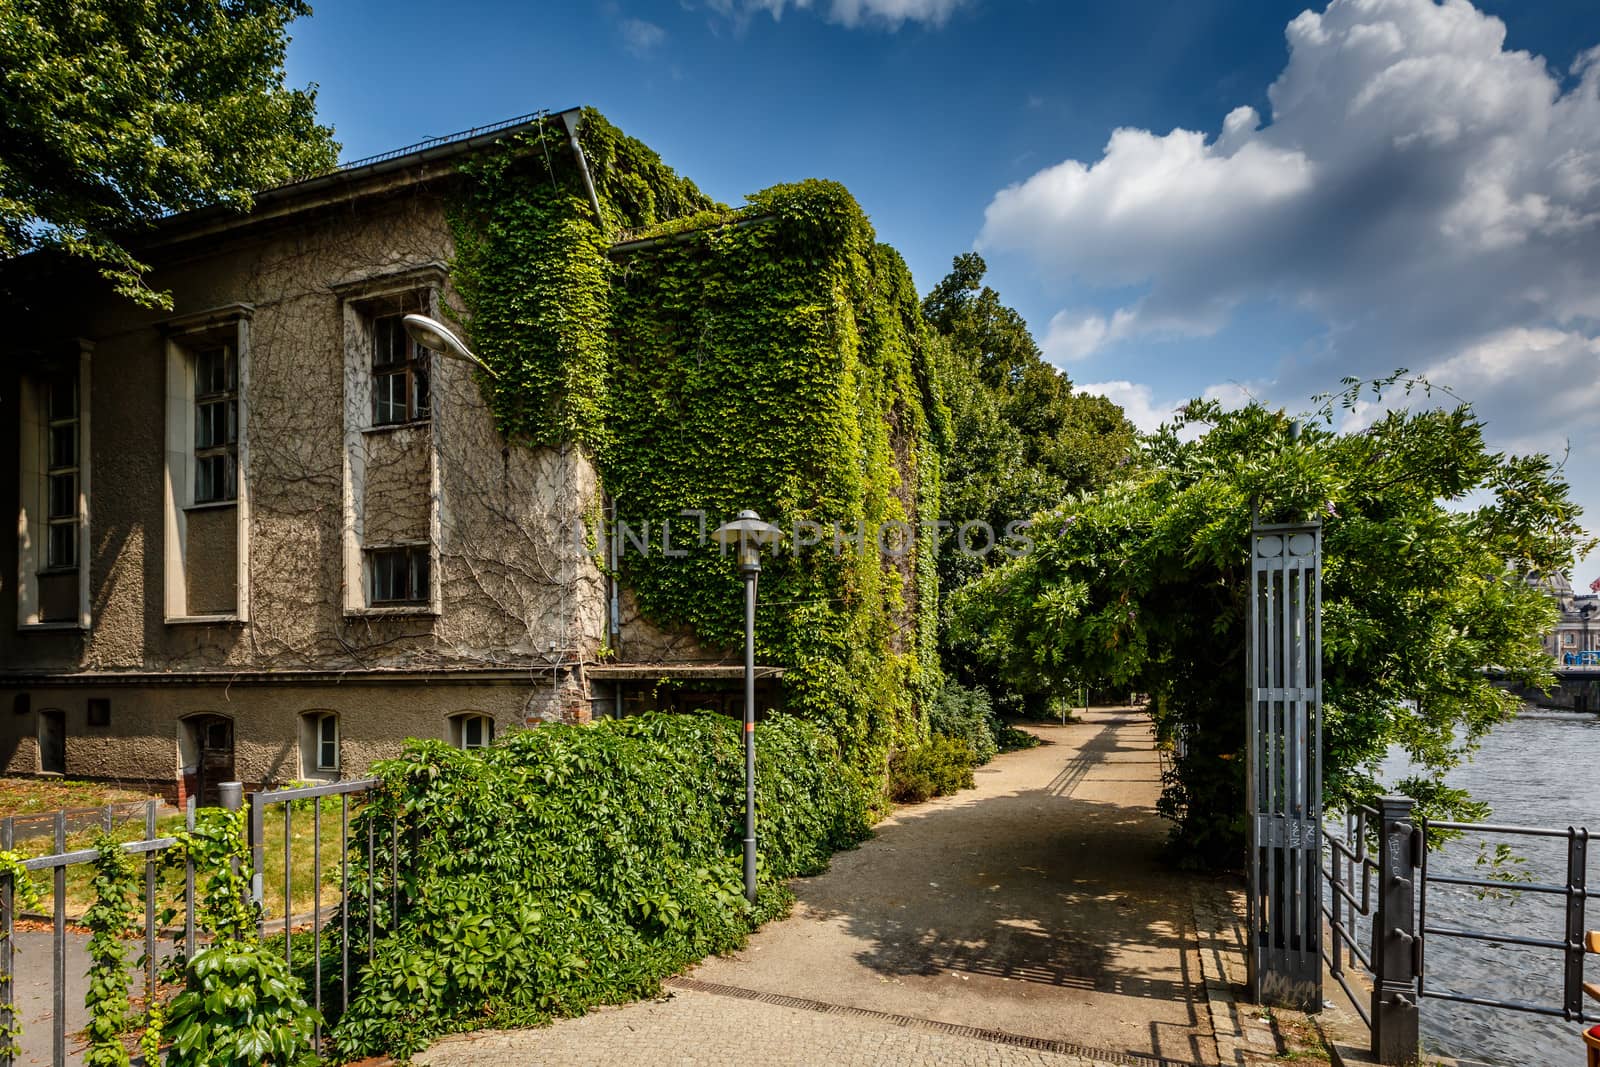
{"x":571,"y":866}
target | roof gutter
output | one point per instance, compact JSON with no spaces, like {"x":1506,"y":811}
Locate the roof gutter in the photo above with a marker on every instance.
{"x":189,"y":224}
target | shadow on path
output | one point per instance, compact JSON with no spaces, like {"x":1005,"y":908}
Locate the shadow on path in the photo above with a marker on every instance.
{"x":1036,"y":904}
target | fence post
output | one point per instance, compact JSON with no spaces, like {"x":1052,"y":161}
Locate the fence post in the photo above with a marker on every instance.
{"x":1396,"y":943}
{"x":257,"y":840}
{"x":1577,"y":890}
{"x":8,"y":1018}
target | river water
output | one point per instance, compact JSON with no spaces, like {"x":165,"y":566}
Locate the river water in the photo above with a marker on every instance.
{"x":1541,"y":769}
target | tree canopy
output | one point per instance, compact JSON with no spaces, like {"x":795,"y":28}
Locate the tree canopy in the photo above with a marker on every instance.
{"x":114,"y":113}
{"x":1020,"y":438}
{"x":1429,"y":543}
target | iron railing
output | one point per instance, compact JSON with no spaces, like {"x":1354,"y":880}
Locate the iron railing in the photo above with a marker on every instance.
{"x":287,"y":799}
{"x":1343,"y":910}
{"x":58,"y":863}
{"x":371,"y":903}
{"x":1391,"y":908}
{"x":1574,"y":894}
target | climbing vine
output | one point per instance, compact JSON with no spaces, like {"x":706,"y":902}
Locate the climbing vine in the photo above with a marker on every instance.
{"x":25,"y":897}
{"x":240,"y":1003}
{"x":109,"y":919}
{"x":771,"y":357}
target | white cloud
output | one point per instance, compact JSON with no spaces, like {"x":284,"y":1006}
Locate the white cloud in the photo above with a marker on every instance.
{"x":1540,"y":388}
{"x":1077,"y":334}
{"x":641,"y":37}
{"x":892,"y":13}
{"x":1432,"y":198}
{"x":1137,"y":401}
{"x":888,"y":14}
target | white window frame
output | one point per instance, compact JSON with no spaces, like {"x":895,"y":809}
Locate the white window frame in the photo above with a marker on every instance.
{"x":33,"y":518}
{"x":364,"y":299}
{"x":458,"y":730}
{"x":187,"y":337}
{"x":321,"y":740}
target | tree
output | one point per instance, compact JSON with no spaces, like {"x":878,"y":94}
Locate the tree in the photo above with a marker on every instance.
{"x":1146,"y":582}
{"x":1020,"y":438}
{"x":114,"y":113}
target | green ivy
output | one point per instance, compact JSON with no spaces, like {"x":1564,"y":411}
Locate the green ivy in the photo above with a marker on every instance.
{"x":240,"y":1004}
{"x":109,"y":919}
{"x":572,"y":866}
{"x":773,"y":357}
{"x":27,"y":897}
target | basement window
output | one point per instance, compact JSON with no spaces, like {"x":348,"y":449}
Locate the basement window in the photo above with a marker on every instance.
{"x":471,"y":731}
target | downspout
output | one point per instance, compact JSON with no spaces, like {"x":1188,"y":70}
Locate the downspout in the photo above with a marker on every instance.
{"x":616,"y":607}
{"x":571,"y":121}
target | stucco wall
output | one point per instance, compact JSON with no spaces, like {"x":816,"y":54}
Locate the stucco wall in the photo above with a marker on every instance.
{"x":514,"y":586}
{"x":142,"y":742}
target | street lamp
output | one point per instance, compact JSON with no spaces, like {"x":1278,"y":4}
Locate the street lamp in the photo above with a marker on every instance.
{"x":1583,"y":614}
{"x":436,"y":337}
{"x":749,"y":533}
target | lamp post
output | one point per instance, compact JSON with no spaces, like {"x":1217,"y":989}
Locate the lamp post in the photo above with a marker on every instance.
{"x":437,"y":337}
{"x":749,"y":533}
{"x":1583,"y":614}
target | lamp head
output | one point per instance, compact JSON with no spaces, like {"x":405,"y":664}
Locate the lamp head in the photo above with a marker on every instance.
{"x":436,"y":336}
{"x":748,"y":533}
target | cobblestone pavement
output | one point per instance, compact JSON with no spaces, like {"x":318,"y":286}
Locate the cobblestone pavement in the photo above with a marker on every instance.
{"x":691,"y":1027}
{"x":1030,"y":920}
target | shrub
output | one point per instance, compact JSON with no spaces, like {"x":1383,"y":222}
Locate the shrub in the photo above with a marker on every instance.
{"x":1011,"y":739}
{"x":935,"y":768}
{"x":567,"y":866}
{"x":967,"y":714}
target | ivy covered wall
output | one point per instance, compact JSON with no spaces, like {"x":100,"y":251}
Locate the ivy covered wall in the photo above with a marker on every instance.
{"x":771,"y":357}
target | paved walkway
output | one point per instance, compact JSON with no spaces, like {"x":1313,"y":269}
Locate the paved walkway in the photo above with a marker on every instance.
{"x":1027,"y":921}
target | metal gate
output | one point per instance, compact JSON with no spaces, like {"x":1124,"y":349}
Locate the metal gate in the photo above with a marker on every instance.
{"x":1285,"y":765}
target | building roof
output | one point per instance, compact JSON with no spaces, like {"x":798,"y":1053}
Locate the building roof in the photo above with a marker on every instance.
{"x":400,"y":166}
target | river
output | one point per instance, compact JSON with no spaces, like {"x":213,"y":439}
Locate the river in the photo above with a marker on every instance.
{"x":1541,"y":769}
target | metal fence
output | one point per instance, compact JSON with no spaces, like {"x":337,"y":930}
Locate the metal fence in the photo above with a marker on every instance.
{"x":346,"y":927}
{"x":342,"y":978}
{"x":1378,"y":875}
{"x":58,"y":864}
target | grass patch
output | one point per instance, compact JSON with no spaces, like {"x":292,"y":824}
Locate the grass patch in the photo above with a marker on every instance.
{"x":35,"y":796}
{"x":302,"y":853}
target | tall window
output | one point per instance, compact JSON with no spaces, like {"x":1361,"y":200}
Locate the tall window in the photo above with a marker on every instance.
{"x":399,"y":575}
{"x":216,"y":425}
{"x":61,"y":473}
{"x":399,"y":374}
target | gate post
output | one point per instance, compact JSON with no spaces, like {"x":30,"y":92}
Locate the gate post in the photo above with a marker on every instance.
{"x":1396,"y":941}
{"x":1284,"y":761}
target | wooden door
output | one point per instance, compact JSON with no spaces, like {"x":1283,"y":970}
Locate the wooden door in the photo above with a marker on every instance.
{"x":213,"y":737}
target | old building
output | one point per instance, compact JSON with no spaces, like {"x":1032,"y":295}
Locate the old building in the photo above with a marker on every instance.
{"x":266,"y":536}
{"x":1576,"y":636}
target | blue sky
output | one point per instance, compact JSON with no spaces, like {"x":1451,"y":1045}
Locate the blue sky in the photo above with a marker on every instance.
{"x":1416,"y":184}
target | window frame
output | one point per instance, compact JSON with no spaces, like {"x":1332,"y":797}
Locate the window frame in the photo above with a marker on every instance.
{"x":458,"y":730}
{"x":71,"y":518}
{"x":188,"y":338}
{"x":418,"y":566}
{"x":324,"y":721}
{"x":412,"y":369}
{"x":225,"y":400}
